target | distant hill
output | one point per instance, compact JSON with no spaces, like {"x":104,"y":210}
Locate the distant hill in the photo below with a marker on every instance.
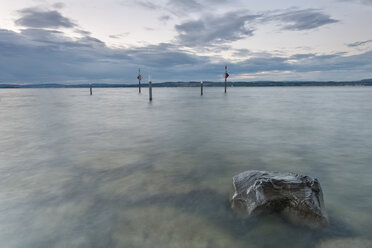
{"x":364,"y":82}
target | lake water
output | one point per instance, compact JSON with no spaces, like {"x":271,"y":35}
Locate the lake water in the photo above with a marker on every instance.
{"x":113,"y":170}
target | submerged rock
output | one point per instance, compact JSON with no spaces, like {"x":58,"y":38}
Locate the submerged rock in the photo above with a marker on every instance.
{"x":300,"y":198}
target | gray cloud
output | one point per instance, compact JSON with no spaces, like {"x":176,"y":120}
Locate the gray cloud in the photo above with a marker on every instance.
{"x":359,"y":43}
{"x":59,"y":5}
{"x":212,"y":29}
{"x":185,"y":5}
{"x":181,"y":7}
{"x":302,"y":19}
{"x":368,"y":2}
{"x":165,"y":18}
{"x":39,"y":18}
{"x":119,"y":36}
{"x":49,"y":56}
{"x":42,"y":55}
{"x":83,"y":32}
{"x":302,"y":56}
{"x":365,"y":2}
{"x":146,"y":4}
{"x":37,"y":55}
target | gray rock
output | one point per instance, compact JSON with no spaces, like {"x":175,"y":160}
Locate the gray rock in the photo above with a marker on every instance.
{"x":300,"y":198}
{"x":345,"y":243}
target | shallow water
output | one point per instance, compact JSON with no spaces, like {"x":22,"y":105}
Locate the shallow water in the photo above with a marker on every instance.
{"x":113,"y":170}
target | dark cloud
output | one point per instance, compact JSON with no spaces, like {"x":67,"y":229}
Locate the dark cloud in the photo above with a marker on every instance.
{"x":302,"y":56}
{"x":302,"y":19}
{"x":359,"y":43}
{"x":336,"y":62}
{"x":257,"y":64}
{"x":211,"y":29}
{"x":37,"y":55}
{"x":39,"y":18}
{"x":48,"y":56}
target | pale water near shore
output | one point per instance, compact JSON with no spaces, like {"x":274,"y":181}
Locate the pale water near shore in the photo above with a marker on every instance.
{"x":113,"y":170}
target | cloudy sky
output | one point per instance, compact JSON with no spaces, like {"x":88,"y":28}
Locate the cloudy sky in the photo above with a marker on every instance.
{"x":79,"y":41}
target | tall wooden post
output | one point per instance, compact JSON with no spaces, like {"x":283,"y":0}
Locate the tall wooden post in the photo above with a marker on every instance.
{"x":139,"y":80}
{"x":150,"y":89}
{"x":226,"y":75}
{"x":201,"y":88}
{"x":91,"y":90}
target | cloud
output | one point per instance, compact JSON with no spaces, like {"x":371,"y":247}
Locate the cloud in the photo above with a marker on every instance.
{"x":302,"y":56}
{"x":164,"y":55}
{"x":305,"y":19}
{"x":211,"y":29}
{"x":39,"y":18}
{"x":43,"y":53}
{"x":37,"y":55}
{"x":359,"y":43}
{"x":365,"y":2}
{"x":181,"y":7}
{"x":119,"y":36}
{"x":185,"y":5}
{"x":49,"y":56}
{"x":59,"y":5}
{"x":145,"y":4}
{"x":368,"y":2}
{"x":165,"y":18}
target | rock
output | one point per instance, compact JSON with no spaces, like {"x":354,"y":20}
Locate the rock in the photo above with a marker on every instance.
{"x":299,"y":198}
{"x":346,"y":243}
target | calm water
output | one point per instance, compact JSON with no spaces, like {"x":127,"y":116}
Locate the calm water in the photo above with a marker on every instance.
{"x":113,"y":170}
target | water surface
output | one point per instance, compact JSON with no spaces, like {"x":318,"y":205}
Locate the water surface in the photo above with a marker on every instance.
{"x":113,"y":170}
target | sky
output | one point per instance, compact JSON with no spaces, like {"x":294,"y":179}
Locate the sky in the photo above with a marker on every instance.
{"x":80,"y":41}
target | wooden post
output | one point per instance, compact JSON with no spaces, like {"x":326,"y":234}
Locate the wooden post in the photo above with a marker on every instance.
{"x":139,"y":80}
{"x":150,"y":89}
{"x":91,"y":91}
{"x":201,"y":88}
{"x":225,"y":76}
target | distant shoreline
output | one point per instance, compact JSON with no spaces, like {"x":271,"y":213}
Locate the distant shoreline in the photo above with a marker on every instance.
{"x":366,"y":82}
